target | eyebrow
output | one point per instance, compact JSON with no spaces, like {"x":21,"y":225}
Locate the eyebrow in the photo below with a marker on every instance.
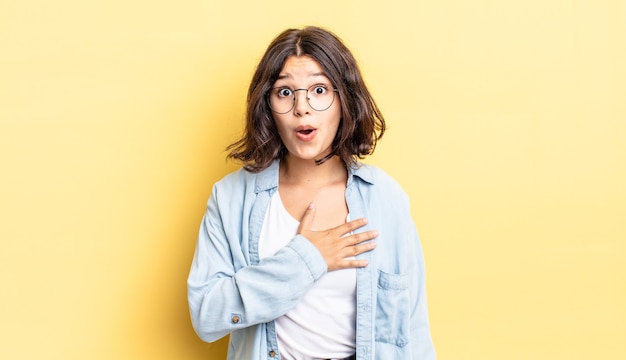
{"x":317,"y":74}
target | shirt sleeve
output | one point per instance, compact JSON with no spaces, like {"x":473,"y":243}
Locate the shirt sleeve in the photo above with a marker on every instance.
{"x":421,"y":340}
{"x":224,"y":297}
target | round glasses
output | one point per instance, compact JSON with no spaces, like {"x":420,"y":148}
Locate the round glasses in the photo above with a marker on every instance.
{"x":283,"y":99}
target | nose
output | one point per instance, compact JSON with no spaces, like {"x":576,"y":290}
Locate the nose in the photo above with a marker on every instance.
{"x":301,"y":106}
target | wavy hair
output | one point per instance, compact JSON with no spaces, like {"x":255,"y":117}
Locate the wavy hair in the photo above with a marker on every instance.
{"x":361,"y":124}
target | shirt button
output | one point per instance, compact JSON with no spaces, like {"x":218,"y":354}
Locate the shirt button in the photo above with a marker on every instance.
{"x":272,"y":353}
{"x":235,"y":319}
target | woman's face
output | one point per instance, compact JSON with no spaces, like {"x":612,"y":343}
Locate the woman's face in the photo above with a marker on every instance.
{"x":307,"y":133}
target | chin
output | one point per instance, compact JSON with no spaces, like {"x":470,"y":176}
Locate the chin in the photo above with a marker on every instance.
{"x":306,"y":156}
{"x":308,"y":153}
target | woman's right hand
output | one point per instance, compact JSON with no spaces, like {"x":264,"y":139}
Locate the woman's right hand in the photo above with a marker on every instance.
{"x":333,"y":245}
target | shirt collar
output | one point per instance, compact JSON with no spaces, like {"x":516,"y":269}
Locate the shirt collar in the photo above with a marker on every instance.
{"x":361,"y":171}
{"x":267,"y":179}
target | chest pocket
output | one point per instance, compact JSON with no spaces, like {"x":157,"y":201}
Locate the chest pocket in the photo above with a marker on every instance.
{"x":392,"y":309}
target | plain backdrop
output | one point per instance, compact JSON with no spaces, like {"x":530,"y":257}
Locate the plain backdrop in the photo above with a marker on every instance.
{"x":507,"y":128}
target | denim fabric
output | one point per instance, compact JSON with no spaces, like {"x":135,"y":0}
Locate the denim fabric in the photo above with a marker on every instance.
{"x":232,"y":291}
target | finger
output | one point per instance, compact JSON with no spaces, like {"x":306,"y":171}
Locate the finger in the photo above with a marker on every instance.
{"x":350,"y":226}
{"x":307,"y":219}
{"x":355,"y":250}
{"x":360,"y":237}
{"x":348,"y":264}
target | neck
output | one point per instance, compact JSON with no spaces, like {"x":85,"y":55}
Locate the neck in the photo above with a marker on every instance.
{"x":308,"y":173}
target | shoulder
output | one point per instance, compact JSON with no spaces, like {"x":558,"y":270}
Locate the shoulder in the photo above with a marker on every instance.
{"x":229,"y":193}
{"x":377,"y":178}
{"x":381,"y":187}
{"x":236,"y":182}
{"x":246,"y":181}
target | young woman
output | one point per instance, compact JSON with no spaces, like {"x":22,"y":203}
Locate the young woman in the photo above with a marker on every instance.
{"x":305,"y":253}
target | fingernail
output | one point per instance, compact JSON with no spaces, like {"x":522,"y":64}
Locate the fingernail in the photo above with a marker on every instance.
{"x":311,"y":206}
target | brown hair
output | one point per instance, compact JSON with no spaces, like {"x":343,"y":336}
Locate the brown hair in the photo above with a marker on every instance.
{"x":361,"y":125}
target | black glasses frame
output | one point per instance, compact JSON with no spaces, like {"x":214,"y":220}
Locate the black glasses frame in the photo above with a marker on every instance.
{"x":308,"y":100}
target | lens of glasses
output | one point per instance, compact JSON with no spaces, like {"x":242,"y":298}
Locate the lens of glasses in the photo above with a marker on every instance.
{"x":320,"y":97}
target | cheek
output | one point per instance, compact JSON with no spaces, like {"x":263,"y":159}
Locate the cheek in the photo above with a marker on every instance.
{"x":336,"y":119}
{"x":281,"y":128}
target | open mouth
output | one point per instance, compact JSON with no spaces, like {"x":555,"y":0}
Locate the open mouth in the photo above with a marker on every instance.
{"x":305,"y":133}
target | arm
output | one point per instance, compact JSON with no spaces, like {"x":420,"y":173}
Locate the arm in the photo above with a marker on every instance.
{"x":224,"y":297}
{"x":421,"y":340}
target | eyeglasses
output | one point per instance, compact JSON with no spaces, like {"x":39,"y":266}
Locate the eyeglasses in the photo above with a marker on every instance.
{"x":283,"y":99}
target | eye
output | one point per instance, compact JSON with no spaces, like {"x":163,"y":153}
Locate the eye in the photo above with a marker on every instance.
{"x":319,"y":89}
{"x":284,"y":92}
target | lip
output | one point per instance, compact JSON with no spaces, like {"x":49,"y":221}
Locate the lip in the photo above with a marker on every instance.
{"x":305,"y":133}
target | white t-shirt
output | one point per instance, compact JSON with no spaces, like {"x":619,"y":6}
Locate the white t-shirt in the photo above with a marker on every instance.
{"x":323,"y":324}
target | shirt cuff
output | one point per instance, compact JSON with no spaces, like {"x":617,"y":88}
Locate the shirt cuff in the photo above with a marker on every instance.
{"x":311,"y":257}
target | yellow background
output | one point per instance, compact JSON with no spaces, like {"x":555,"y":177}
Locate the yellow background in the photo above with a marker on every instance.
{"x":507,"y":127}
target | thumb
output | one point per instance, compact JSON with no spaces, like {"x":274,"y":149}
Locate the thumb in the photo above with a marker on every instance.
{"x":307,"y":219}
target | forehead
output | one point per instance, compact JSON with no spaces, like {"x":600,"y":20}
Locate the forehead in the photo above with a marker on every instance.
{"x":301,"y":67}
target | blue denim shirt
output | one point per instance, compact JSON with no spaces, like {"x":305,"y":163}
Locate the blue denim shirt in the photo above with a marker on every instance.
{"x":232,"y":291}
